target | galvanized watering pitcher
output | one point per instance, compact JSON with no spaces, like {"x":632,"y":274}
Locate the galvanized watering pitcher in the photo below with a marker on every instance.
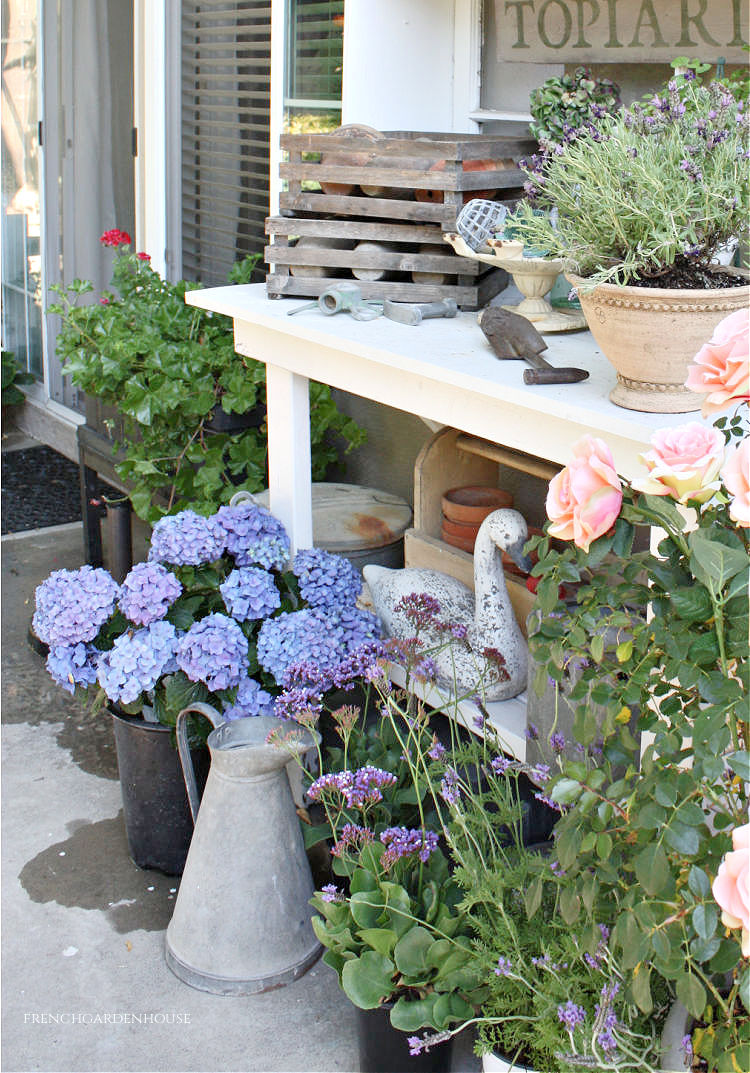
{"x":241,"y":922}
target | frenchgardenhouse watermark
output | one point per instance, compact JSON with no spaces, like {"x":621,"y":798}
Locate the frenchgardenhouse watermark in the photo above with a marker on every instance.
{"x":106,"y":1017}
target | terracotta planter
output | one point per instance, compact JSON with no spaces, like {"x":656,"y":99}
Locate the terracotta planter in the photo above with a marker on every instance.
{"x":651,"y":336}
{"x":472,"y":503}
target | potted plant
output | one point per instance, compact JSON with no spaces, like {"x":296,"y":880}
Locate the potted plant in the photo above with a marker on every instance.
{"x":172,"y":373}
{"x":568,"y":102}
{"x":644,"y":199}
{"x":215,"y":615}
{"x":654,"y":841}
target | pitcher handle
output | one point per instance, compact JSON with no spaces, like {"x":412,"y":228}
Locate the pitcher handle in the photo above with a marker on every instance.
{"x":183,"y":747}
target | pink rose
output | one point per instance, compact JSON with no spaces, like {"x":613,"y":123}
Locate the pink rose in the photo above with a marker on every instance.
{"x":736,"y":478}
{"x":731,"y":888}
{"x":684,"y":463}
{"x":584,"y":500}
{"x":722,"y":367}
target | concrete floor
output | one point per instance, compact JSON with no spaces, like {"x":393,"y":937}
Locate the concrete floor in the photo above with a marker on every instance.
{"x":85,"y":985}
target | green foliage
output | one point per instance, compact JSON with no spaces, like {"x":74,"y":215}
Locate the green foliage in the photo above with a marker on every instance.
{"x":570,"y":101}
{"x":646,"y":189}
{"x":167,"y":367}
{"x":12,"y":376}
{"x":654,"y":833}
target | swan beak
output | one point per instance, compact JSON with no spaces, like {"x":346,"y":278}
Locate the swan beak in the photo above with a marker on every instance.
{"x":515,"y":550}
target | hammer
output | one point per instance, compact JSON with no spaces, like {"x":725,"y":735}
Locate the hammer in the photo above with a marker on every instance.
{"x":512,"y":336}
{"x":408,"y":313}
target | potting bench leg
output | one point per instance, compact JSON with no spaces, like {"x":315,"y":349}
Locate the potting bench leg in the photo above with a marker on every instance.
{"x":92,"y":534}
{"x":289,"y":472}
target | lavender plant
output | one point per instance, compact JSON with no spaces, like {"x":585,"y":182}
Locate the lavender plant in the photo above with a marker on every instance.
{"x":648,"y":194}
{"x":212,"y":616}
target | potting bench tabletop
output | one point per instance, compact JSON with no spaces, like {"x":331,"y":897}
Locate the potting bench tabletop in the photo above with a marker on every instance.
{"x":441,"y":370}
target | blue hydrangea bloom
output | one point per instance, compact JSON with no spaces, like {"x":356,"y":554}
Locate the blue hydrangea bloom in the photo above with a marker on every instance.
{"x":148,"y":592}
{"x":186,"y":539}
{"x":214,"y":651}
{"x":72,"y":665}
{"x":137,"y":661}
{"x":326,"y":580}
{"x":252,"y":699}
{"x":250,"y":593}
{"x":295,"y":637}
{"x":352,"y":627}
{"x":72,"y":605}
{"x":253,"y":536}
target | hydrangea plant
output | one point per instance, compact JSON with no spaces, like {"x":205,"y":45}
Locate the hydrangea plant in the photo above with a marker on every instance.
{"x":216,"y":614}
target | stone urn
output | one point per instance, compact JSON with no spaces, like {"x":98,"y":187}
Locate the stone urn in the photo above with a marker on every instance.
{"x":652,"y":334}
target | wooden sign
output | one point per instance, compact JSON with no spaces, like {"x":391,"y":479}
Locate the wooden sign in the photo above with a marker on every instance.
{"x":621,"y":31}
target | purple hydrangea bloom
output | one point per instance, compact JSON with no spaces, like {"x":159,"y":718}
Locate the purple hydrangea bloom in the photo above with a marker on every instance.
{"x":148,"y":592}
{"x":137,"y":661}
{"x":214,"y":651}
{"x":253,"y":536}
{"x":250,"y":593}
{"x":295,"y":637}
{"x":72,"y":605}
{"x":251,"y":700}
{"x":326,"y":580}
{"x":186,"y":539}
{"x":72,"y":665}
{"x":405,"y":842}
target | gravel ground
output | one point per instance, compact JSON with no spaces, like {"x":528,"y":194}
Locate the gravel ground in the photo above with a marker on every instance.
{"x":40,"y":488}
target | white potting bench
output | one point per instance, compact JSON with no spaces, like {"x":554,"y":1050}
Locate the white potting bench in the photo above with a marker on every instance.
{"x":443,"y":371}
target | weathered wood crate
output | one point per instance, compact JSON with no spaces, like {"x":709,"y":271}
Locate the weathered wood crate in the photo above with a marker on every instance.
{"x":374,"y":207}
{"x":398,"y":175}
{"x":403,"y":262}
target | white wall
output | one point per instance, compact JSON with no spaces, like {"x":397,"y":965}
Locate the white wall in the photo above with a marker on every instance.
{"x":411,"y":64}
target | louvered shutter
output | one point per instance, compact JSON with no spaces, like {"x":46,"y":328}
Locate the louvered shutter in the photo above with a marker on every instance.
{"x":315,"y":52}
{"x":226,"y":76}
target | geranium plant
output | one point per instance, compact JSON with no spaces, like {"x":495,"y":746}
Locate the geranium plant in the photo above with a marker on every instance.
{"x":647,"y":195}
{"x":216,"y":614}
{"x":168,"y":368}
{"x":644,"y":831}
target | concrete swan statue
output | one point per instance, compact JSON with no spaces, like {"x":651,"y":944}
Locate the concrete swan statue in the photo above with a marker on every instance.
{"x":486,"y":613}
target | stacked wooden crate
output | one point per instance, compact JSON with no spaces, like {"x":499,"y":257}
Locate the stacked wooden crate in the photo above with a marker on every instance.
{"x":374,"y":207}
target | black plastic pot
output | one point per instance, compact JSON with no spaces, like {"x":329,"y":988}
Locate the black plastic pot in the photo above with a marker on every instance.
{"x":384,"y":1049}
{"x":224,"y":422}
{"x":154,"y":800}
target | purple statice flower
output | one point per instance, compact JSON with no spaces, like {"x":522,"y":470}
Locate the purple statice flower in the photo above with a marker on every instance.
{"x":557,"y":742}
{"x":251,"y":700}
{"x":73,"y":665}
{"x":214,"y":651}
{"x":326,"y":580}
{"x":296,"y":701}
{"x":339,"y":781}
{"x":72,"y":605}
{"x":186,"y":539}
{"x":253,"y":536}
{"x":405,"y":842}
{"x":500,"y":764}
{"x":458,"y":630}
{"x":436,"y":750}
{"x":352,"y":837}
{"x":250,"y":593}
{"x":571,"y":1015}
{"x":504,"y":966}
{"x":367,"y":786}
{"x":419,"y":609}
{"x":358,"y":663}
{"x":331,"y":893}
{"x":450,"y":789}
{"x":425,"y":669}
{"x":137,"y":661}
{"x":148,"y":592}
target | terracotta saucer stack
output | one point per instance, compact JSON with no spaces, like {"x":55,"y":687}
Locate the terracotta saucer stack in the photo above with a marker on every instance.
{"x":464,"y":510}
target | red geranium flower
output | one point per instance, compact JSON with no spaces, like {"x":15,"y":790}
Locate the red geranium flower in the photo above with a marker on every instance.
{"x":115,"y":237}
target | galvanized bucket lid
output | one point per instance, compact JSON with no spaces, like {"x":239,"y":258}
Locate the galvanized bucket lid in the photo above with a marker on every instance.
{"x":347,"y":517}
